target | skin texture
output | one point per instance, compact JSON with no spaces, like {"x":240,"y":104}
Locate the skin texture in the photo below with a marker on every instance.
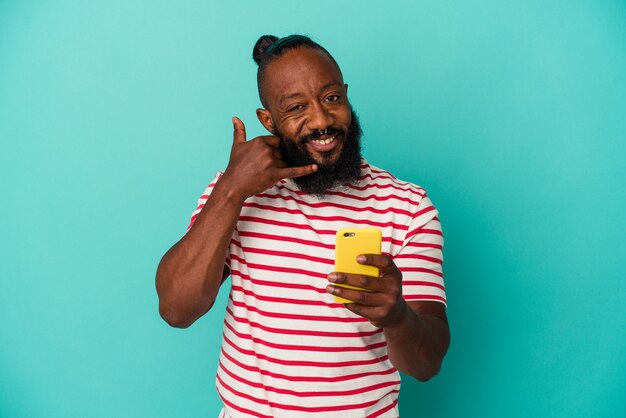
{"x":304,"y":91}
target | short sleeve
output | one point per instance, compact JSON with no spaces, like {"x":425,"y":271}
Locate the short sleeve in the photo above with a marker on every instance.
{"x":202,"y":199}
{"x":421,"y":257}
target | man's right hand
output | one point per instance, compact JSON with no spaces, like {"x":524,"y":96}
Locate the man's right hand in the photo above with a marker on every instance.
{"x":257,"y":165}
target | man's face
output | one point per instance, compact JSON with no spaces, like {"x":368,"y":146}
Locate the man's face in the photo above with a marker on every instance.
{"x":345,"y":170}
{"x":308,"y":108}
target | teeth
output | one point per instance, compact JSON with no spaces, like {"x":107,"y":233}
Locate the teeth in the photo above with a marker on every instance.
{"x":324,"y":141}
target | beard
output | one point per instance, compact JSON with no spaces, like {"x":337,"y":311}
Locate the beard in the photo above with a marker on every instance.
{"x":346,"y":170}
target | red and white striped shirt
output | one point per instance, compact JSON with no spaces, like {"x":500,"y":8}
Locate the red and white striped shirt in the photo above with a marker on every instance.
{"x":288,"y":349}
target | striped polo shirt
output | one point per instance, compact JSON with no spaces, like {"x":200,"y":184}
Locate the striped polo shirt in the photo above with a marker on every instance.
{"x":288,"y":349}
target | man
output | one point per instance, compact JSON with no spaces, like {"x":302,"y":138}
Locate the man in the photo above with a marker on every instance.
{"x":269,"y":221}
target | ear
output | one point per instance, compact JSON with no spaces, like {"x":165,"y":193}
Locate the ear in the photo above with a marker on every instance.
{"x":346,"y":86}
{"x":266,"y":120}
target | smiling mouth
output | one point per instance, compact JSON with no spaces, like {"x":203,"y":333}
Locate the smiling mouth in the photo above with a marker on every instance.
{"x":325,"y":141}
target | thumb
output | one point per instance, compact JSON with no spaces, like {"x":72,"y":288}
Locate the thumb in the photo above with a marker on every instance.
{"x":239,"y":131}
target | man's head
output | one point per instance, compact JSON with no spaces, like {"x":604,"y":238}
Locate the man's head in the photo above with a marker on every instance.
{"x":305,"y":104}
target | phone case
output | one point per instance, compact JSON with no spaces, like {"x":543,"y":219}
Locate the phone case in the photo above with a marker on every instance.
{"x":351,"y":242}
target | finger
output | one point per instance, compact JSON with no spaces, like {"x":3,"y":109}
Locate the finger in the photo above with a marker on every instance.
{"x":293,"y":172}
{"x":239,"y":131}
{"x":361,"y":297}
{"x":272,"y":141}
{"x":373,"y":314}
{"x":278,"y":159}
{"x":384,"y":263}
{"x":360,"y":310}
{"x":369,"y":283}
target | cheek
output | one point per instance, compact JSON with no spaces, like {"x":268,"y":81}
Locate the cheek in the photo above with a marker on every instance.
{"x":344,"y":117}
{"x":349,"y":112}
{"x":292,"y":128}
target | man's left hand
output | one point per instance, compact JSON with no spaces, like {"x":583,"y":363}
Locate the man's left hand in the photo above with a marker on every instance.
{"x":381,"y":302}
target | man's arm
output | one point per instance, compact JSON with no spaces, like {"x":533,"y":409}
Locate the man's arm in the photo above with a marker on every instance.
{"x":191,"y":272}
{"x":417,"y":333}
{"x":418,"y":343}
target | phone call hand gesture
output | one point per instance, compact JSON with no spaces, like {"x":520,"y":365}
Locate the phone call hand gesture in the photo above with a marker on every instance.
{"x":381,"y":303}
{"x":257,"y":165}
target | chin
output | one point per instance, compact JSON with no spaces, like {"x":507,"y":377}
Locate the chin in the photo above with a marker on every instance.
{"x":328,"y":158}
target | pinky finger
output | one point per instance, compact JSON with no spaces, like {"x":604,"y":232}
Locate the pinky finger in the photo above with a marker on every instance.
{"x":294,"y":172}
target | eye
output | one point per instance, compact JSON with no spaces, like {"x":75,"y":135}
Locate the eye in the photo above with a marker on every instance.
{"x":295,"y":108}
{"x":332,"y":98}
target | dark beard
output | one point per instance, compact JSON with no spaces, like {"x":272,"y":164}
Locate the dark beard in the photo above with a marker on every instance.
{"x":346,"y":170}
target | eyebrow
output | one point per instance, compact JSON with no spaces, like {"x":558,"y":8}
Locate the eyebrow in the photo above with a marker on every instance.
{"x":295,"y":95}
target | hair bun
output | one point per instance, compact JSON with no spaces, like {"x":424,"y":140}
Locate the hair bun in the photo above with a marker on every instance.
{"x":261,"y":46}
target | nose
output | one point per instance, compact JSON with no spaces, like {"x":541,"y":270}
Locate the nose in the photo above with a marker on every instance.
{"x":319,"y":117}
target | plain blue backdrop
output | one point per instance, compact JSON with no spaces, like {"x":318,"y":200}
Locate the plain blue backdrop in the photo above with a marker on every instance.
{"x":115,"y":115}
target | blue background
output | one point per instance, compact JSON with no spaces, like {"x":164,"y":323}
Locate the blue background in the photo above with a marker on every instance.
{"x":114,"y":115}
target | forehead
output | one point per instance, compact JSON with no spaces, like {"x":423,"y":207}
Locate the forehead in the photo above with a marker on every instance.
{"x":299,"y":71}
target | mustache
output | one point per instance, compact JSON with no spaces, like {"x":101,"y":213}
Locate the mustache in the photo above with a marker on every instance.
{"x":317,"y":134}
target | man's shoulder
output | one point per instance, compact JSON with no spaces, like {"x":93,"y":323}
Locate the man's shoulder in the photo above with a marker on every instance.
{"x":384,"y":178}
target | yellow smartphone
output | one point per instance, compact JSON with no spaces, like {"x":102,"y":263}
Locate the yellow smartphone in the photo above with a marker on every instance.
{"x":351,"y":242}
